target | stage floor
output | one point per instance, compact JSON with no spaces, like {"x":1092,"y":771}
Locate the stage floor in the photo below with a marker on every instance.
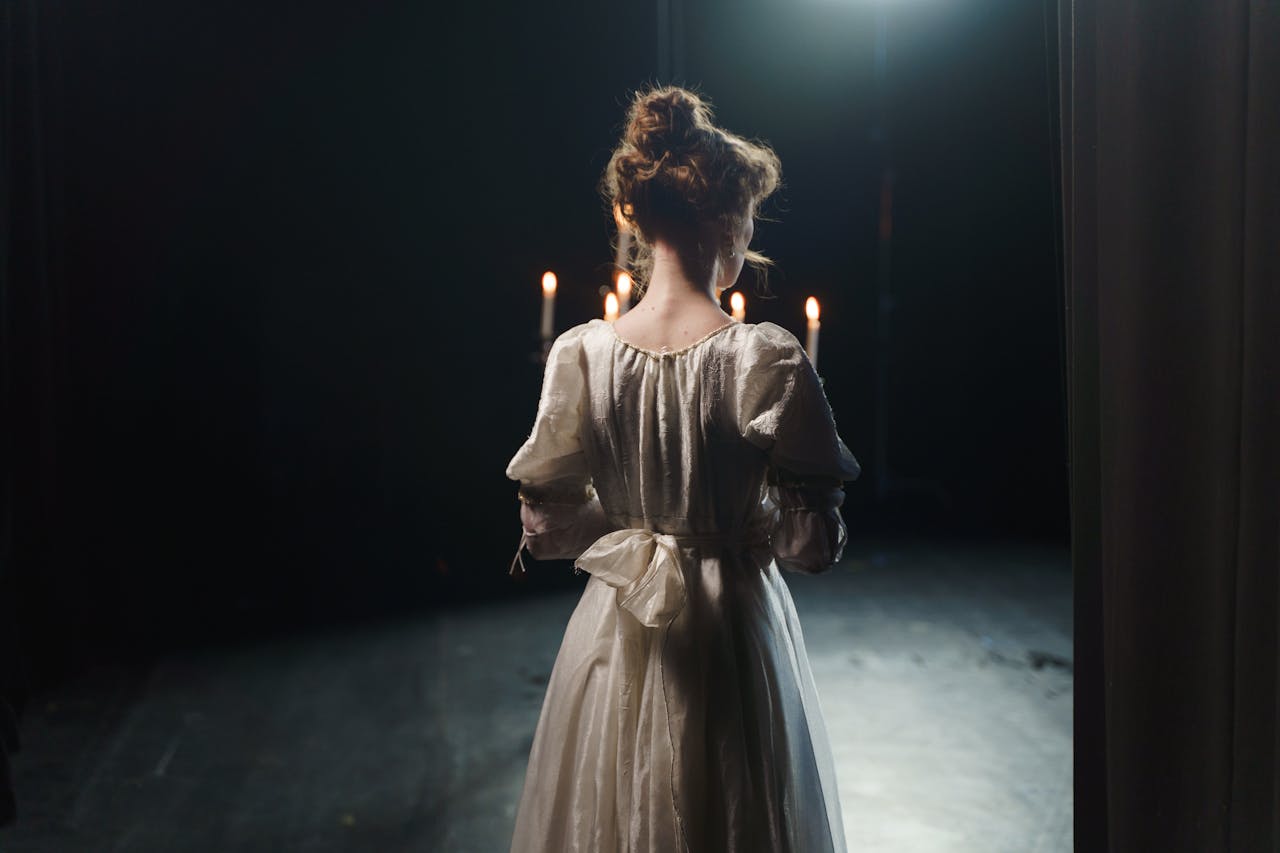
{"x":944,"y":671}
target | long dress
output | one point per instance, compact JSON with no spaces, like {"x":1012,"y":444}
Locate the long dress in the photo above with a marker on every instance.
{"x":681,"y":712}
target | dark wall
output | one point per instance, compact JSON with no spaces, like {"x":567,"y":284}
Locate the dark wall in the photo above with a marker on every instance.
{"x":958,"y":113}
{"x":299,"y":251}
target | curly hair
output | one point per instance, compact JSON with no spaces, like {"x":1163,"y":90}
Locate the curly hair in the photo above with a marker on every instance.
{"x":674,"y":172}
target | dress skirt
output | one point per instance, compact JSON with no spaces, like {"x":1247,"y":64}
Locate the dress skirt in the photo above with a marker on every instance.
{"x":681,"y":712}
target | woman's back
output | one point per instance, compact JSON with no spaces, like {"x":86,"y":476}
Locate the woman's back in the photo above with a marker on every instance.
{"x":673,"y":324}
{"x":730,"y":434}
{"x":680,"y":441}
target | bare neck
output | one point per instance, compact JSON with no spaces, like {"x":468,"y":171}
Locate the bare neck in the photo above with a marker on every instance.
{"x":676,"y":281}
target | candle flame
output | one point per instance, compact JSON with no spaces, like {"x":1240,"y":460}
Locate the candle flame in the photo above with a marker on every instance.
{"x":624,"y":284}
{"x":811,"y":308}
{"x":548,"y":282}
{"x":611,"y":306}
{"x":737,"y":302}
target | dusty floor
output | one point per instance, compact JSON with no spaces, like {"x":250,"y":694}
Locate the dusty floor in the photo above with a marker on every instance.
{"x":944,"y":671}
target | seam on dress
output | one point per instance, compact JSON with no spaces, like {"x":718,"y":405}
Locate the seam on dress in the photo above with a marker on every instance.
{"x":666,"y":708}
{"x":659,"y":354}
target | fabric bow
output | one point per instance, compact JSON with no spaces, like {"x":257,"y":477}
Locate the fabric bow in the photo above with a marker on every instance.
{"x":644,"y":566}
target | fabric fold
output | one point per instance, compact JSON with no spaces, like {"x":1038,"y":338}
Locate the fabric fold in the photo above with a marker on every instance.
{"x":644,"y":567}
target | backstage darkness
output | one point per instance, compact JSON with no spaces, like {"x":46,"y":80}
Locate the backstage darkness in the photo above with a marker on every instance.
{"x":289,"y":342}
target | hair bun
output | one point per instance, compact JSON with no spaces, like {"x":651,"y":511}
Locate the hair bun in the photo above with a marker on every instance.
{"x":675,"y":171}
{"x":667,"y":120}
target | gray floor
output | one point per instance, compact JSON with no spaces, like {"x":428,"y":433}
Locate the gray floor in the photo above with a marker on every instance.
{"x":945,"y":675}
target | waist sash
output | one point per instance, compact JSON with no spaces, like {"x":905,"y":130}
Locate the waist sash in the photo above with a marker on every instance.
{"x":644,"y":566}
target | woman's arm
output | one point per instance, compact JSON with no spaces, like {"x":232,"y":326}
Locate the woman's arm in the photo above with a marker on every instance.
{"x":810,"y":534}
{"x":559,"y":524}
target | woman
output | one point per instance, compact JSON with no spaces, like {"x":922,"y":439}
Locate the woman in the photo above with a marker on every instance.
{"x":680,"y":458}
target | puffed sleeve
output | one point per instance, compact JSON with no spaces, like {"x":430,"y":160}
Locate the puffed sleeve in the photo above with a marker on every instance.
{"x":784,"y":411}
{"x":560,"y":514}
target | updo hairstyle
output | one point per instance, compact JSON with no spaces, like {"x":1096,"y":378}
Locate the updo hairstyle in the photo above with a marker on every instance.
{"x":678,"y":176}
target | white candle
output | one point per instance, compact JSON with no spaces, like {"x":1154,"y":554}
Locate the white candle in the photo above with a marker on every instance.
{"x":738,"y":305}
{"x":624,"y":293}
{"x":611,"y":306}
{"x":548,"y":305}
{"x":811,"y":344}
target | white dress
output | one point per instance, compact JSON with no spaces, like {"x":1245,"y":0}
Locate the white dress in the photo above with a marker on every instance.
{"x":681,"y":713}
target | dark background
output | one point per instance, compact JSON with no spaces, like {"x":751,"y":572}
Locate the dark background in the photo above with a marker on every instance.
{"x":294,"y":256}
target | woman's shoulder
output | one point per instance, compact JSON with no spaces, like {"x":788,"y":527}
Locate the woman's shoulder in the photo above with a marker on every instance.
{"x":767,"y":353}
{"x":771,"y":334}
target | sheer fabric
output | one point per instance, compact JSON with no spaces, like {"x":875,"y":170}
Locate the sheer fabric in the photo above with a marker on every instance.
{"x":681,"y":714}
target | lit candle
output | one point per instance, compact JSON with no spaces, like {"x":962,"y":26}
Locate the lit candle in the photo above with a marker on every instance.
{"x":611,"y":306}
{"x":811,"y":344}
{"x":624,"y":292}
{"x":548,"y":304}
{"x":624,"y":238}
{"x":738,"y":304}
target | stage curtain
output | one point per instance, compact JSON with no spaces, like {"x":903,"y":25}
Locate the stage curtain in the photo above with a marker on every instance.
{"x":1170,"y":117}
{"x":31,"y":311}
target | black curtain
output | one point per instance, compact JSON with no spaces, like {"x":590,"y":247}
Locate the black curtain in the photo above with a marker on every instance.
{"x":1171,"y":183}
{"x":29,"y":339}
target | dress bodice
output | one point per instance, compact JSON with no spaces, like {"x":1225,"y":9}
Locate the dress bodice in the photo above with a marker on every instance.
{"x":681,"y":441}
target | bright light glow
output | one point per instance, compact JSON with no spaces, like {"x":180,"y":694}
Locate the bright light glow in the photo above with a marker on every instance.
{"x":548,"y":282}
{"x":737,"y":302}
{"x":624,"y":285}
{"x":611,"y":306}
{"x":811,"y":308}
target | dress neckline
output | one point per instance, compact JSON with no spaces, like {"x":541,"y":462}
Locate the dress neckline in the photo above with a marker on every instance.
{"x":672,"y":352}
